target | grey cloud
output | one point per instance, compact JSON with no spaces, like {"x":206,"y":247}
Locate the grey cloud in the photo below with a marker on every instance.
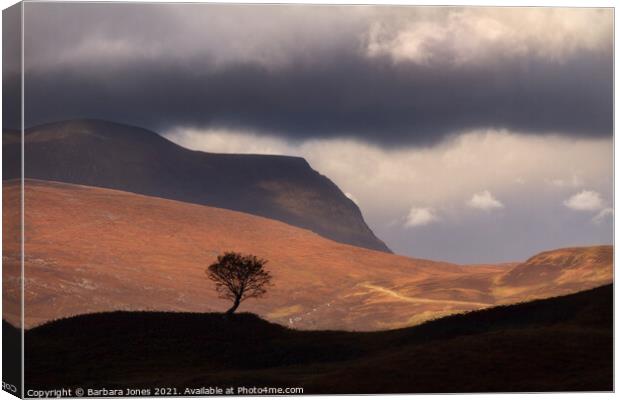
{"x":317,"y":89}
{"x":11,"y":66}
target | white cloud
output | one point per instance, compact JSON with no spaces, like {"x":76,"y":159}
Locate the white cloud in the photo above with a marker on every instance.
{"x":586,"y":200}
{"x":420,"y":216}
{"x":590,"y":201}
{"x":484,"y":201}
{"x":224,"y":141}
{"x":478,"y":35}
{"x":603,"y":214}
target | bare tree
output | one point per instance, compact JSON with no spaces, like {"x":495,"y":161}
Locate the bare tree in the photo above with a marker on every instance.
{"x":238,"y":277}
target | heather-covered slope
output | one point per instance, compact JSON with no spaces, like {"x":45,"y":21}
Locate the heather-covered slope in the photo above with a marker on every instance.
{"x":91,"y":249}
{"x":110,"y":155}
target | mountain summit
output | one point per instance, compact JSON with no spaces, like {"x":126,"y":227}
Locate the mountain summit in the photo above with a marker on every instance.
{"x":116,"y":156}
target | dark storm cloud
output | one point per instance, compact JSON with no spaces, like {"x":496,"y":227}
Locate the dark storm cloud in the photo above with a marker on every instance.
{"x":374,"y":100}
{"x":11,"y":65}
{"x":320,"y":91}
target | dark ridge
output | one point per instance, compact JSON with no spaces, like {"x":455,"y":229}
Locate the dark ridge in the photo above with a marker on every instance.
{"x":558,"y":344}
{"x":11,"y":358}
{"x":115,"y":156}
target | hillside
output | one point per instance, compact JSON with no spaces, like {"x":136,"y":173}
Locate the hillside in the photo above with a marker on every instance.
{"x":110,"y":155}
{"x":91,"y":250}
{"x":559,"y":344}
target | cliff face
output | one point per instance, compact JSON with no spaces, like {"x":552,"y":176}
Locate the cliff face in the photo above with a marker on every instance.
{"x":110,"y":155}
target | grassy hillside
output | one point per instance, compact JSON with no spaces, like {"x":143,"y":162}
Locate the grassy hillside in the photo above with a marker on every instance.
{"x":557,"y":344}
{"x":116,"y":156}
{"x":93,"y":250}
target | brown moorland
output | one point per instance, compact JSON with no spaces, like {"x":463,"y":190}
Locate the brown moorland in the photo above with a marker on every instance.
{"x":92,"y":250}
{"x":122,"y":157}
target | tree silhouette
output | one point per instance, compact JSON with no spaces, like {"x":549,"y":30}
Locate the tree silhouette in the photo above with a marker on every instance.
{"x":238,"y":277}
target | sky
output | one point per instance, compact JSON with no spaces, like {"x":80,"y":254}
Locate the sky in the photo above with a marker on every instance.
{"x":463,"y":134}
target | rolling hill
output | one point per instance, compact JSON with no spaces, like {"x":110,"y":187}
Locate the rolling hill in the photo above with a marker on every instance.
{"x":110,"y":155}
{"x":92,"y":250}
{"x":559,"y":344}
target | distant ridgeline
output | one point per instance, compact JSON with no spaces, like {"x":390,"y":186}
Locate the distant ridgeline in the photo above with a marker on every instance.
{"x":115,"y":156}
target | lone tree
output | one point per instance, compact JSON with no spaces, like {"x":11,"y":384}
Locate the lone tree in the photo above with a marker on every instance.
{"x":238,"y":277}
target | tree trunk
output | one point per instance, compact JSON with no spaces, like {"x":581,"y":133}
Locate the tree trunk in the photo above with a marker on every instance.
{"x":234,"y":307}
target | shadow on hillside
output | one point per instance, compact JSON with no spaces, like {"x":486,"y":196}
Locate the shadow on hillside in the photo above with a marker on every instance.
{"x":558,"y":344}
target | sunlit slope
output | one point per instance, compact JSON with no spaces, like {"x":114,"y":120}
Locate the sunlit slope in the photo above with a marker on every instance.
{"x":122,"y":157}
{"x":557,"y":272}
{"x":90,"y":249}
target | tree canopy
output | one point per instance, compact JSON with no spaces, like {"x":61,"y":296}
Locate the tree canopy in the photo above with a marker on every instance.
{"x":239,"y":277}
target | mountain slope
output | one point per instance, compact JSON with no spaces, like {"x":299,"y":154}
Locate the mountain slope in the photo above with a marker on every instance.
{"x":557,"y":344}
{"x":91,"y":249}
{"x":109,"y":155}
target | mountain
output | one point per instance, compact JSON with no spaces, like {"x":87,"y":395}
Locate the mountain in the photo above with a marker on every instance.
{"x":558,"y":344}
{"x":115,"y":156}
{"x":90,"y":250}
